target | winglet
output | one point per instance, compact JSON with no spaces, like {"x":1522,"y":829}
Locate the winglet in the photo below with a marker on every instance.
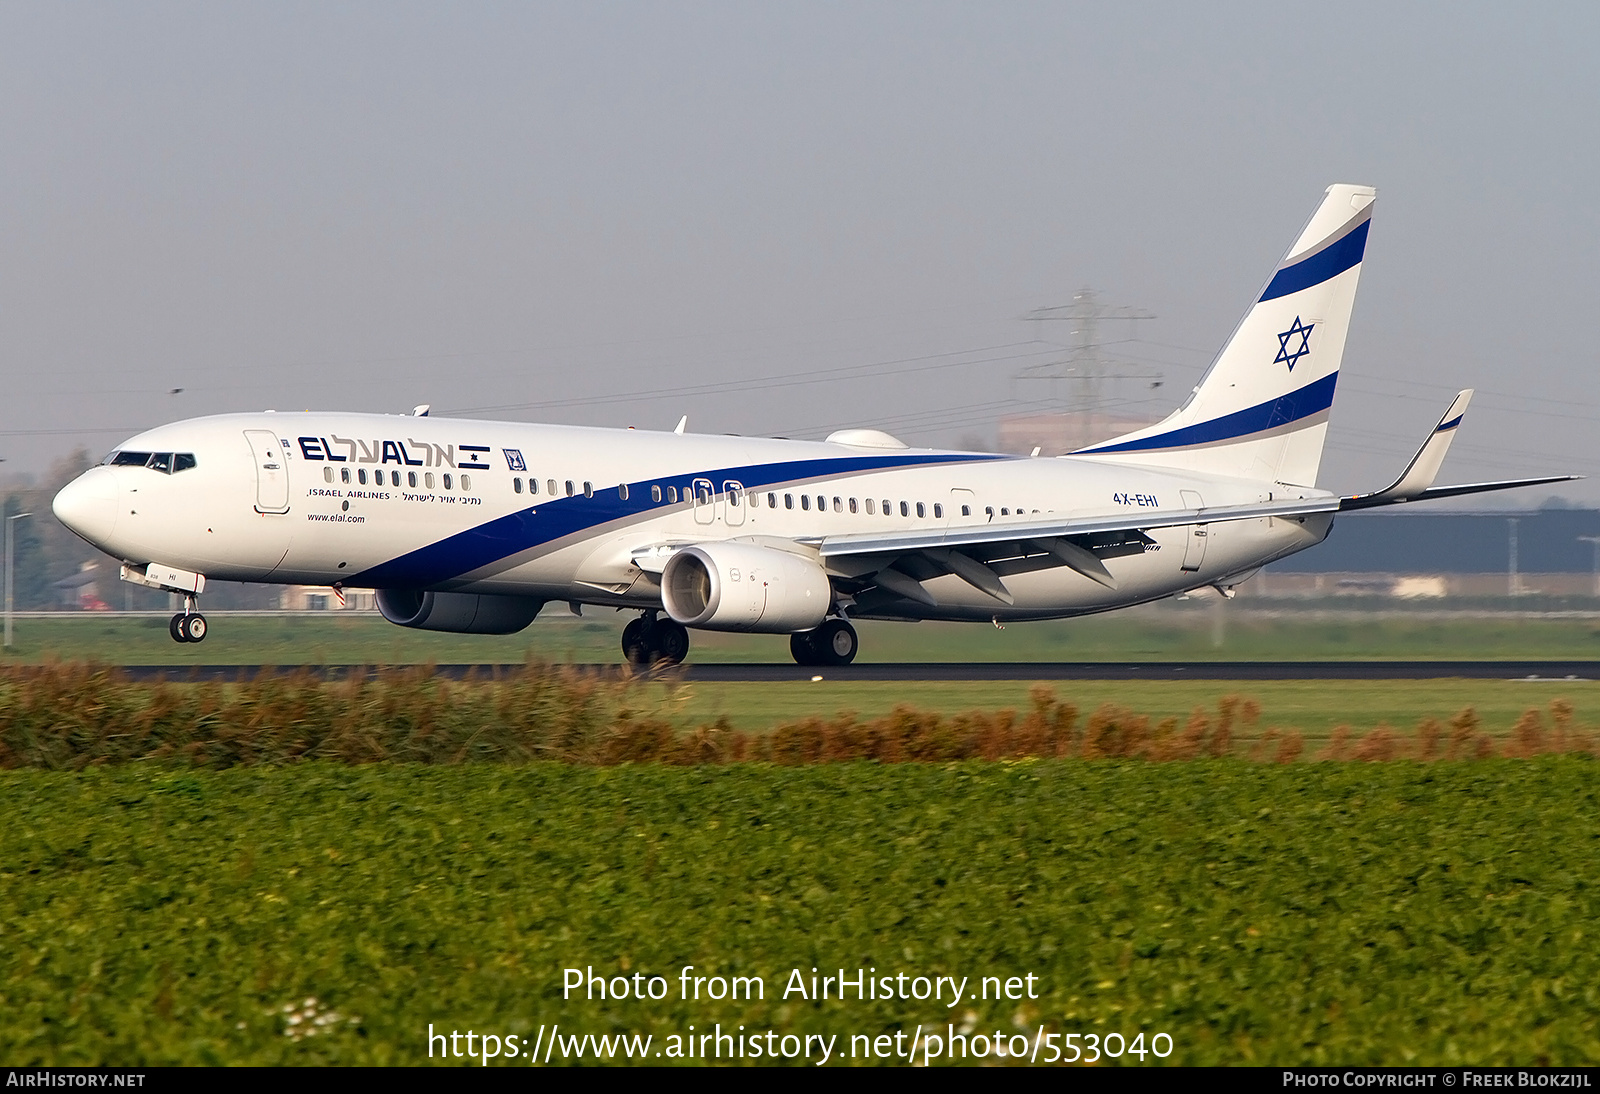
{"x":1424,"y":466}
{"x":1416,"y":482}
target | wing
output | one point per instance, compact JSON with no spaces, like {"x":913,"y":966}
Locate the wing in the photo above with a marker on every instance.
{"x":982,"y":555}
{"x":1416,"y":481}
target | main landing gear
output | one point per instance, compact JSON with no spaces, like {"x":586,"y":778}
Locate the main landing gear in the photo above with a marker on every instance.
{"x":188,"y":625}
{"x":833,"y":643}
{"x":651,"y":639}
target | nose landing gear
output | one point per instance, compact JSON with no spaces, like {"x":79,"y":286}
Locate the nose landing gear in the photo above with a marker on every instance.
{"x":651,"y":639}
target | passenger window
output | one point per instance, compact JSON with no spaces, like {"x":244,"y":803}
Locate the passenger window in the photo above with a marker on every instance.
{"x":361,"y":476}
{"x":182,"y":462}
{"x":966,"y":510}
{"x":905,"y":510}
{"x":872,"y":508}
{"x":427,"y":479}
{"x":838,"y":505}
{"x":822,"y":504}
{"x":888,"y":508}
{"x":805,"y":502}
{"x":1005,"y":512}
{"x":411,"y":479}
{"x":672,"y":493}
{"x":533,"y":486}
{"x":921,"y":511}
{"x":788,"y":501}
{"x":755,"y":501}
{"x":622,"y":491}
{"x":853,"y":505}
{"x":447,"y":480}
{"x":988,"y":511}
{"x":570,"y":490}
{"x":327,"y":474}
{"x":655,"y":492}
{"x":735,"y":496}
{"x":551,"y":483}
{"x":466,"y":482}
{"x":772,"y":501}
{"x":394,"y":478}
{"x":588,"y":489}
{"x":938,"y":510}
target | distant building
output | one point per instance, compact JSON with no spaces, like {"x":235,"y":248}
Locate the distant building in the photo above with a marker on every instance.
{"x":81,"y":590}
{"x":1415,"y":541}
{"x":1417,"y":554}
{"x":320,"y":598}
{"x":1058,"y":434}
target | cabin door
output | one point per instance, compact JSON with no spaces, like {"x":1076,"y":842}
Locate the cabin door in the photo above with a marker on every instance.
{"x":1194,"y":550}
{"x":272,"y":471}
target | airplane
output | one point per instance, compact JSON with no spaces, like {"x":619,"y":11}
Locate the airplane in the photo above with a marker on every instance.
{"x":474,"y":526}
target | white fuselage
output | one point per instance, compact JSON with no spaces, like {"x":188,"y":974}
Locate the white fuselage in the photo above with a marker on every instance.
{"x":560,"y":512}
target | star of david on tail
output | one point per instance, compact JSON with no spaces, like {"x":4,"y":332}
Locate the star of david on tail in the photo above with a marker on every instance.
{"x":1285,"y":356}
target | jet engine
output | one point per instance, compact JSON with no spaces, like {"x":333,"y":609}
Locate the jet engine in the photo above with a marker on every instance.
{"x":460,"y":613}
{"x":744,"y":587}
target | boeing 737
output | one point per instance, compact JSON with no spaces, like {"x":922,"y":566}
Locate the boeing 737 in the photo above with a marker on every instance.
{"x":473,"y":526}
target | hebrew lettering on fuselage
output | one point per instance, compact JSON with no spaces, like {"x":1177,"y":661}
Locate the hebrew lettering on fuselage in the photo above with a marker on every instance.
{"x":382,"y":451}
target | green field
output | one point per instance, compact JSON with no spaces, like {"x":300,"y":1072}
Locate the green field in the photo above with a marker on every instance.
{"x":1312,"y":913}
{"x":1167,"y":631}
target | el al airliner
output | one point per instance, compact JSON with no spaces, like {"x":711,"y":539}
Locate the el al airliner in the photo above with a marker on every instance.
{"x":473,"y":526}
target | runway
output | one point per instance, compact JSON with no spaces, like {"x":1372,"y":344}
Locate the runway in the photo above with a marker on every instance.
{"x":976,"y":671}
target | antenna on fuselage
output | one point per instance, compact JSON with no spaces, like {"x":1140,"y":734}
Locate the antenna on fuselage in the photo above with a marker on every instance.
{"x":682,"y":422}
{"x":421,"y":410}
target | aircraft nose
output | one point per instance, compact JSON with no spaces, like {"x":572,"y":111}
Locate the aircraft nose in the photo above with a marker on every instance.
{"x":88,"y":505}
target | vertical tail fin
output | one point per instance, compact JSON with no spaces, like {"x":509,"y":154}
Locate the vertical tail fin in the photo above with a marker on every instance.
{"x":1261,"y":410}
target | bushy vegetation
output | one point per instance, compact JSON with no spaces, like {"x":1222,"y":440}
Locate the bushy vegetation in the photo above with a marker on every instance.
{"x":72,"y":716}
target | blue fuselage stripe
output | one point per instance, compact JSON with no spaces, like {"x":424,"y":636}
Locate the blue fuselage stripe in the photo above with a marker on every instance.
{"x":1331,"y":261}
{"x":1312,"y":399}
{"x":546,"y":520}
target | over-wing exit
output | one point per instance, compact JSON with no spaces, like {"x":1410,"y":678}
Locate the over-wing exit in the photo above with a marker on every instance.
{"x":472,"y":526}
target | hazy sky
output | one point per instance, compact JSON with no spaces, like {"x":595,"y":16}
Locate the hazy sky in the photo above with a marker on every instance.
{"x":784,"y":218}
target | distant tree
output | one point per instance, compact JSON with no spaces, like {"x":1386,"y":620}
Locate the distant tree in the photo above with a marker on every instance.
{"x":47,"y":551}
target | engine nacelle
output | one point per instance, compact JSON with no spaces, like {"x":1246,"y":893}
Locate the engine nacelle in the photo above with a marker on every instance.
{"x":743,"y":587}
{"x":460,"y":613}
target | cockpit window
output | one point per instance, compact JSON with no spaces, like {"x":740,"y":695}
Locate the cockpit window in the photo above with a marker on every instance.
{"x":168,"y":463}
